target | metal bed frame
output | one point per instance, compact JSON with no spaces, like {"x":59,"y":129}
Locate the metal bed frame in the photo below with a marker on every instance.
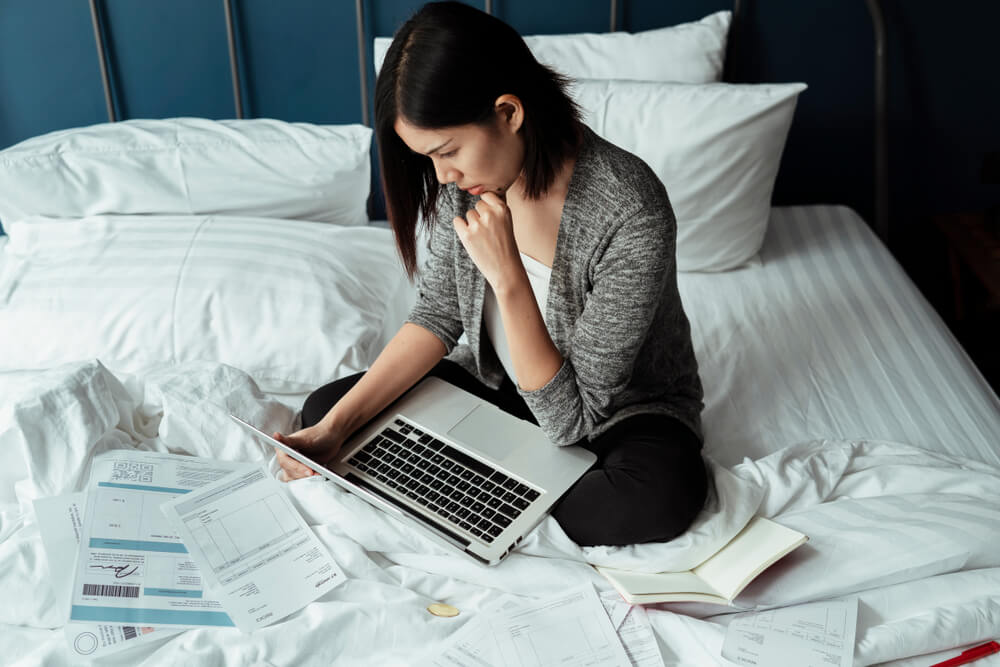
{"x":881,"y":144}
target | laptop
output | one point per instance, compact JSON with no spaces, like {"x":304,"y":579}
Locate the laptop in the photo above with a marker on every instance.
{"x":456,"y":467}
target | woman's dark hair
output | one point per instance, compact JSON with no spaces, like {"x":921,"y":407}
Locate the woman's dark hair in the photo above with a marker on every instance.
{"x":446,"y":66}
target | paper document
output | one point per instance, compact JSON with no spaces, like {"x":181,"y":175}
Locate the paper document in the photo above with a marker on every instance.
{"x":132,"y":566}
{"x":634,"y":630}
{"x":60,"y":520}
{"x":818,"y":634}
{"x":615,"y":606}
{"x":472,"y":646}
{"x":253,"y":548}
{"x":567,"y":629}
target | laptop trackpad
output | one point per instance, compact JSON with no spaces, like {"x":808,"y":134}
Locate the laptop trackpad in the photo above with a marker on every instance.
{"x":487,"y":430}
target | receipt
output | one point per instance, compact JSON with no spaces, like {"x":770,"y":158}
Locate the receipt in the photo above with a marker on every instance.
{"x":132,"y":567}
{"x":818,"y":634}
{"x":254,"y":549}
{"x":59,"y":522}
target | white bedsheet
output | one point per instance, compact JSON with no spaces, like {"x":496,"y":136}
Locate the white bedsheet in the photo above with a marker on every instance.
{"x":57,"y":421}
{"x":826,"y":337}
{"x":818,"y":361}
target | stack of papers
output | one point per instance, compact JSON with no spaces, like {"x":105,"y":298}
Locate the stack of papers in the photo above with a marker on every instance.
{"x":171,"y":542}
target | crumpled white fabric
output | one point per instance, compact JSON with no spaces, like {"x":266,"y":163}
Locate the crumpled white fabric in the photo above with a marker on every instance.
{"x":899,"y":622}
{"x":54,"y":423}
{"x":66,"y":416}
{"x":878,"y":514}
{"x":61,"y":421}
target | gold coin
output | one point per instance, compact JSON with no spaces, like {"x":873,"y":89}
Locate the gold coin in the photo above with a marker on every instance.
{"x":441,"y":609}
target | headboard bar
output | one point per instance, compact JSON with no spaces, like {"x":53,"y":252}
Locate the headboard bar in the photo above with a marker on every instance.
{"x":102,"y":57}
{"x":881,"y":123}
{"x":233,"y":63}
{"x":359,"y":13}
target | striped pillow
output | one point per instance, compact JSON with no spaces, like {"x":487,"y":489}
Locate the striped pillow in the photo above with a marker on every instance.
{"x":293,"y":303}
{"x":190,"y":166}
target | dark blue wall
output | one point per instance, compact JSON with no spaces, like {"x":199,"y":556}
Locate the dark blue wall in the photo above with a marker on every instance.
{"x":300,"y":63}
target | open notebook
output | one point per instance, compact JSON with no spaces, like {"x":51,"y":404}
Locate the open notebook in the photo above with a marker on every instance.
{"x":719,"y":579}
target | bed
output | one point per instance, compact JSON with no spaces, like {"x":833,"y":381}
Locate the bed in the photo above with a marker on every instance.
{"x":158,"y":275}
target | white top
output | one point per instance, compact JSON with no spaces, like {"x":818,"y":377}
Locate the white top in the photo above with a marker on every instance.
{"x":538,"y":276}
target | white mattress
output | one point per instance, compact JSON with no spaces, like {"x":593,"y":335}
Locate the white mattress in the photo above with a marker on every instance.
{"x":826,"y":337}
{"x":823,"y":343}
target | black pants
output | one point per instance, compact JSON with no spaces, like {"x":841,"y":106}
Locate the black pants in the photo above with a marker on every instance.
{"x":648,"y":484}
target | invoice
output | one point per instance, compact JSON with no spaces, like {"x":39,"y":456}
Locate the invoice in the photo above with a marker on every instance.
{"x":132,"y":567}
{"x":59,"y":522}
{"x":254,"y":549}
{"x":817,"y":634}
{"x":571,"y":628}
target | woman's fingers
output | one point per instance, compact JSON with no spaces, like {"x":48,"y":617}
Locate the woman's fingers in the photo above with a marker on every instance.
{"x":318,"y":442}
{"x":486,"y":232}
{"x":292,"y":468}
{"x":488,"y":208}
{"x":470,"y":224}
{"x":492,"y":200}
{"x":301,"y":441}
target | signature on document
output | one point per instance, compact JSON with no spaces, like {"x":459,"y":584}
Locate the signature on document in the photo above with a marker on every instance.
{"x":121,"y":571}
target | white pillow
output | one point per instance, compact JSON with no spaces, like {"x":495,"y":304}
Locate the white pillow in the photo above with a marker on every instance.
{"x":688,"y":52}
{"x":190,"y":166}
{"x":294,"y":304}
{"x":716,"y":147}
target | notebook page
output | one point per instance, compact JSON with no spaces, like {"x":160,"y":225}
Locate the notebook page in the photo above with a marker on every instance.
{"x":757,"y":546}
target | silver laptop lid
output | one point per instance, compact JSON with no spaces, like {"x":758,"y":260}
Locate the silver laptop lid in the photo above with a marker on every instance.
{"x":456,"y":467}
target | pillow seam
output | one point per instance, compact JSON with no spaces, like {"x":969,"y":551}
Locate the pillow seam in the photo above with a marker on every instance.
{"x":177,"y":288}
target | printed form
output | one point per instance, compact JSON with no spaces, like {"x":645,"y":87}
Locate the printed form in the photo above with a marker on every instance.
{"x":572,"y":629}
{"x":818,"y":634}
{"x":253,"y":547}
{"x":634,"y":630}
{"x":132,"y":567}
{"x":60,"y":520}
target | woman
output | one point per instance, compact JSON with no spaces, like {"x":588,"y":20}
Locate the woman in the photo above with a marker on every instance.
{"x":553,"y":251}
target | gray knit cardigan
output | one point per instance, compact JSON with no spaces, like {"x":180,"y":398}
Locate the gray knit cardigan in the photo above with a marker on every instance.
{"x":613,"y":309}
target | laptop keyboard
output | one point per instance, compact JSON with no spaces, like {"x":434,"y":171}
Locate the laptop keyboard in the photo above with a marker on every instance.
{"x":474,"y":496}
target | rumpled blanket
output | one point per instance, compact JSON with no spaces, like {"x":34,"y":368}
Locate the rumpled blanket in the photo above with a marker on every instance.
{"x":913,"y":533}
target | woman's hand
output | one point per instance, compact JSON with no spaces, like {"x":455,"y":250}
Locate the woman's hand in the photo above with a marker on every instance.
{"x":487,"y":232}
{"x":319,"y":442}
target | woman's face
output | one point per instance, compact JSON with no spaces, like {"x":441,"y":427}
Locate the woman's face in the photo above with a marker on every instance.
{"x":478,"y":158}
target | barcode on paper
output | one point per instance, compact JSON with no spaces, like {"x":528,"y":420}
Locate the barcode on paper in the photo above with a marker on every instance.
{"x":111,"y":591}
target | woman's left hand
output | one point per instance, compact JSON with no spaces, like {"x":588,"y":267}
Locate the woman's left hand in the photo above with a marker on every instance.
{"x":487,"y":232}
